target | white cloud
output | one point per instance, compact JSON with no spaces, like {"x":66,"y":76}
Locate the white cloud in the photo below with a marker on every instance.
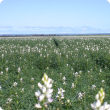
{"x":108,"y":1}
{"x":1,"y":1}
{"x":51,"y":30}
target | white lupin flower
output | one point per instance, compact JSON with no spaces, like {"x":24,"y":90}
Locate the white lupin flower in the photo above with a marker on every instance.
{"x":102,"y":108}
{"x":60,"y":74}
{"x":1,"y":73}
{"x":106,"y":106}
{"x":48,"y":95}
{"x":72,"y":85}
{"x":103,"y":81}
{"x":57,"y":96}
{"x":60,"y":94}
{"x":64,"y":83}
{"x":41,"y":97}
{"x":46,"y":90}
{"x":45,"y":78}
{"x":37,"y":94}
{"x":2,"y":56}
{"x":99,"y":107}
{"x":19,"y":69}
{"x":80,"y":95}
{"x":93,"y":87}
{"x":64,"y":78}
{"x":9,"y":100}
{"x":32,"y":79}
{"x":38,"y":105}
{"x":49,"y":91}
{"x":43,"y":89}
{"x":6,"y":69}
{"x":22,"y":90}
{"x":101,"y":94}
{"x":76,"y":74}
{"x":99,"y":97}
{"x":40,"y":85}
{"x":50,"y":100}
{"x":21,"y":79}
{"x":15,"y":84}
{"x":16,"y":94}
{"x":96,"y":105}
{"x":68,"y":101}
{"x":48,"y":83}
{"x":0,"y":88}
{"x":60,"y":90}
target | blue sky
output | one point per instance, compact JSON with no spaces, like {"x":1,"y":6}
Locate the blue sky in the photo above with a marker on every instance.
{"x":54,"y":16}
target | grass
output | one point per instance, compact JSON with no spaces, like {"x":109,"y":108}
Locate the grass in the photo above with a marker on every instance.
{"x":58,"y":58}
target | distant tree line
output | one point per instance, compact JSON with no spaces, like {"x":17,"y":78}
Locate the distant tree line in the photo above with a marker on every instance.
{"x":30,"y":35}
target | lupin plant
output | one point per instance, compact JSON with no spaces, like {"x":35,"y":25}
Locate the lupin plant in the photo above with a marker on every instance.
{"x":45,"y":97}
{"x":99,"y":97}
{"x":60,"y":94}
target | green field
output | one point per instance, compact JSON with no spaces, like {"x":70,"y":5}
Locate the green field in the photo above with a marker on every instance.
{"x":82,"y":60}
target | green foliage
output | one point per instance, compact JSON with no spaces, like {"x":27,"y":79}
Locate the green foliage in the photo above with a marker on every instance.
{"x":89,"y":57}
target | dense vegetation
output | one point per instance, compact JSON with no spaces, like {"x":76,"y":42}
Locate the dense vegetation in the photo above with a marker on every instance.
{"x":82,"y":61}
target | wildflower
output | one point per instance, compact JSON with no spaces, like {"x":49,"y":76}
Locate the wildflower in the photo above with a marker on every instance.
{"x":15,"y":84}
{"x":19,"y":69}
{"x":64,"y":83}
{"x":22,"y":90}
{"x":47,"y":68}
{"x":6,"y":69}
{"x":80,"y":95}
{"x":32,"y":79}
{"x":100,"y":70}
{"x":47,"y":55}
{"x":93,"y":87}
{"x":66,"y":56}
{"x":1,"y":72}
{"x":99,"y":97}
{"x":46,"y":90}
{"x":38,"y":105}
{"x":16,"y":94}
{"x":91,"y":69}
{"x":76,"y":74}
{"x":32,"y":87}
{"x":72,"y":85}
{"x":80,"y":72}
{"x":60,"y":94}
{"x":2,"y":56}
{"x":60,"y":74}
{"x":68,"y":103}
{"x":64,"y":78}
{"x":21,"y":79}
{"x":0,"y":88}
{"x":103,"y":81}
{"x":96,"y":105}
{"x":1,"y":108}
{"x":88,"y":71}
{"x":105,"y":106}
{"x":28,"y":49}
{"x":9,"y":100}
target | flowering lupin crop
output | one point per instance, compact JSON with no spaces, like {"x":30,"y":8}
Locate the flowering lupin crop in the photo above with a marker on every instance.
{"x":99,"y":97}
{"x":46,"y":90}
